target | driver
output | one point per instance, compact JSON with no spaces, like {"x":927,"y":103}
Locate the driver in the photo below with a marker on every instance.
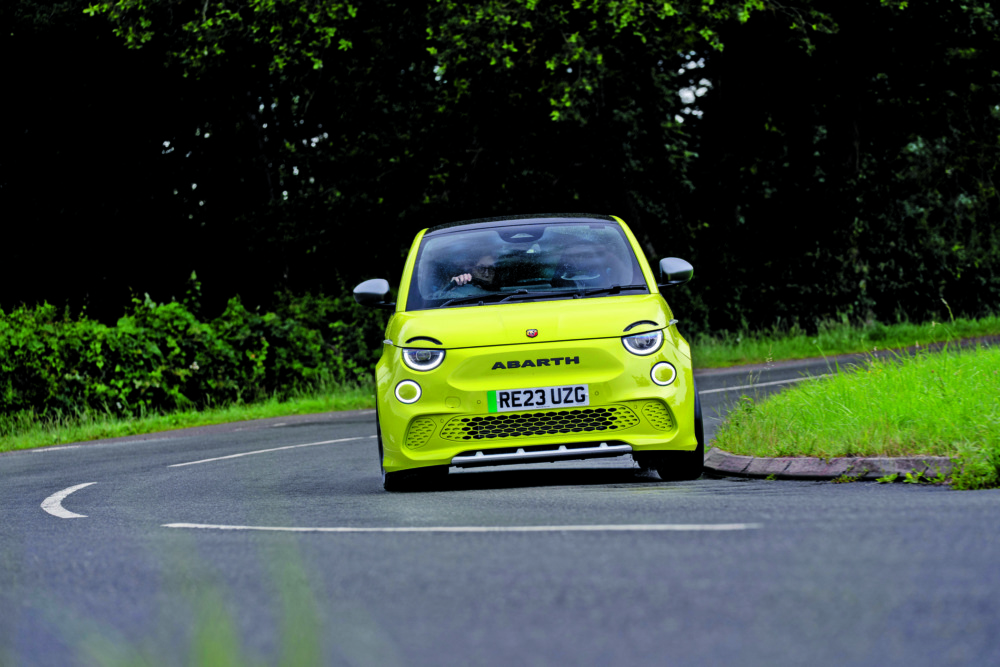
{"x":483,"y":274}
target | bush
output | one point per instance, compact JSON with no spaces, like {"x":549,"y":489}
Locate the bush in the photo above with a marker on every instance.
{"x":163,"y":356}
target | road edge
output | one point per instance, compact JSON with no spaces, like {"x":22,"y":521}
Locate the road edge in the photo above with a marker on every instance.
{"x":721,"y":463}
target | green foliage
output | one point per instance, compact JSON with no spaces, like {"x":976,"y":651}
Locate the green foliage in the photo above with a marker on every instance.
{"x":568,"y":49}
{"x":921,"y":477}
{"x":162,"y":356}
{"x":848,"y":478}
{"x":289,"y":31}
{"x":979,"y":468}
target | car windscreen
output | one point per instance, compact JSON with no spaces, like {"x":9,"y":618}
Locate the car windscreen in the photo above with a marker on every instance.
{"x":523,"y":262}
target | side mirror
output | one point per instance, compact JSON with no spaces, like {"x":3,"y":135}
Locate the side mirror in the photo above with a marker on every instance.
{"x":675,"y":271}
{"x":373,"y":293}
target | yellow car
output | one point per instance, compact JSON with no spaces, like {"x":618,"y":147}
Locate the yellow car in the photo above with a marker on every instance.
{"x":532,"y":338}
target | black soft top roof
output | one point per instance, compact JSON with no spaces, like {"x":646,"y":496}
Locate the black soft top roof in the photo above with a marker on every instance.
{"x":511,"y":220}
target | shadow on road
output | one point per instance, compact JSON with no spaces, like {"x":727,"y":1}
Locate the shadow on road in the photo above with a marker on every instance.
{"x":483,"y":479}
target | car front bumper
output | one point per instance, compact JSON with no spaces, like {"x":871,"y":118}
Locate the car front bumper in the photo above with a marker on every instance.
{"x":450,"y":424}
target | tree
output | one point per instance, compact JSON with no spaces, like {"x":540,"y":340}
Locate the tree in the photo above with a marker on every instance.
{"x":855,"y":179}
{"x":391,"y":125}
{"x":843,"y":167}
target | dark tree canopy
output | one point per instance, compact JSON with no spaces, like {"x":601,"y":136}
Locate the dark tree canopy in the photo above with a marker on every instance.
{"x":812,"y":159}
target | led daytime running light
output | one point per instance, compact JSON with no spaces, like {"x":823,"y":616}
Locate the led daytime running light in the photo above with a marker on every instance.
{"x":405,"y":389}
{"x":661,"y":367}
{"x":643,"y":344}
{"x":422,"y":359}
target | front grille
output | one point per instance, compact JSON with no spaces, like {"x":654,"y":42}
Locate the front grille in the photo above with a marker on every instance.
{"x":420,"y":432}
{"x":540,"y":423}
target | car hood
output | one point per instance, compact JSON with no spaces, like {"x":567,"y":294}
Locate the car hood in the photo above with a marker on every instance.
{"x":509,"y":323}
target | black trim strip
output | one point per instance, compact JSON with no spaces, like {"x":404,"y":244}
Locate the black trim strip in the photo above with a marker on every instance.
{"x":523,"y":219}
{"x":635,"y":324}
{"x":433,"y":340}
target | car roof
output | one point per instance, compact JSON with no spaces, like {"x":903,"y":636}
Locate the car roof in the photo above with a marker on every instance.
{"x":512,"y":220}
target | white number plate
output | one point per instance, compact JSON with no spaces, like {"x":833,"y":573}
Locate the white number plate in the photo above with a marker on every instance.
{"x":568,"y":396}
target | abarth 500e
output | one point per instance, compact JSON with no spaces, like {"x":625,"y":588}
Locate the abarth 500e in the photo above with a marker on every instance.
{"x":528,"y":339}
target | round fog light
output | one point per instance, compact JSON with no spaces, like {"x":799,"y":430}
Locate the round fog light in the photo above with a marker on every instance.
{"x":663,"y":373}
{"x":408,"y":391}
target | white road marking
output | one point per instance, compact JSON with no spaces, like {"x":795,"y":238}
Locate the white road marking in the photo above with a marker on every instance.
{"x":763,"y":384}
{"x":638,"y":527}
{"x":265,"y":451}
{"x":53,"y":504}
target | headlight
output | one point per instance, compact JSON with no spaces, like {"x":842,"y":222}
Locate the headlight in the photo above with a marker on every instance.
{"x":422,"y":360}
{"x":644,"y":343}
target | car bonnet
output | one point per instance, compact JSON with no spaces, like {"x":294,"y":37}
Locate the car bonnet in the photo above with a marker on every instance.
{"x":532,"y":322}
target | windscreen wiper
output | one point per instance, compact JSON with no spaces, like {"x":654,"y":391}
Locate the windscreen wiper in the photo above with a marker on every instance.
{"x":525,"y":295}
{"x":481,"y":298}
{"x":511,"y":296}
{"x":518,"y":295}
{"x":614,"y":289}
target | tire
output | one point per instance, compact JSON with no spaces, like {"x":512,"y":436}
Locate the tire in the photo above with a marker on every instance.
{"x":414,"y":479}
{"x":405,"y":480}
{"x":679,"y":466}
{"x":378,"y":437}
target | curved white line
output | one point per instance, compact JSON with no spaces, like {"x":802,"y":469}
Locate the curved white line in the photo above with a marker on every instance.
{"x":643,"y":527}
{"x":53,"y":504}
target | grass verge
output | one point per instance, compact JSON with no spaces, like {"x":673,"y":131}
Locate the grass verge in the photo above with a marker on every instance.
{"x":25,"y":431}
{"x":831,"y":338}
{"x":940,"y":404}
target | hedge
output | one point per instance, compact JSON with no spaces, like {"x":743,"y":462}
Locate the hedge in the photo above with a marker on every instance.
{"x":163,"y":356}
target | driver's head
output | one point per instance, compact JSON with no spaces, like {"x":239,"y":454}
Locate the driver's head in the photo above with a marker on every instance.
{"x":484,"y":272}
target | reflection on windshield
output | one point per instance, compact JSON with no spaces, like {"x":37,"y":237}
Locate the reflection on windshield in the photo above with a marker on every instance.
{"x":524,"y":261}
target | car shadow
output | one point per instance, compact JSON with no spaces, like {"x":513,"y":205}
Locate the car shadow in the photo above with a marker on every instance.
{"x":500,"y":478}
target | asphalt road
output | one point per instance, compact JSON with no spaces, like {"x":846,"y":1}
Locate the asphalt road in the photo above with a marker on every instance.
{"x":573,"y":563}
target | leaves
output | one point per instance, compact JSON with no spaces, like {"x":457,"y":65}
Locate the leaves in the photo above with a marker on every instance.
{"x":161,"y":356}
{"x":561,"y":49}
{"x":290,"y":31}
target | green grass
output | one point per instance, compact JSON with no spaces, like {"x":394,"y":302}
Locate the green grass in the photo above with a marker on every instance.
{"x":832,"y":338}
{"x":26,"y":431}
{"x":940,"y":404}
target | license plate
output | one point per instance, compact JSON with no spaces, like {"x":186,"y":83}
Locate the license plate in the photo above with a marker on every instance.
{"x":567,"y":396}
